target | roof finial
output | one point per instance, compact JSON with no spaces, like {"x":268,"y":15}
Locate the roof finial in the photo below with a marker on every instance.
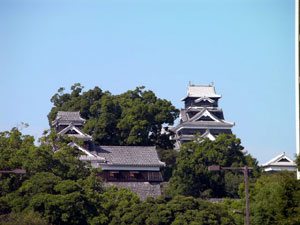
{"x":212,"y":84}
{"x":190,"y":83}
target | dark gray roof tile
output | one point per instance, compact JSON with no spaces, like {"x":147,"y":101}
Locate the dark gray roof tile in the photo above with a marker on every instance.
{"x":129,"y":155}
{"x":68,"y":117}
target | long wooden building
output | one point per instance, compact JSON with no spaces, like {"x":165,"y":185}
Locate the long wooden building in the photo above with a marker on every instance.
{"x":134,"y":167}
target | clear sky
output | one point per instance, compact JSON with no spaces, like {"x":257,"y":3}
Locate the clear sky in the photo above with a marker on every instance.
{"x":245,"y":47}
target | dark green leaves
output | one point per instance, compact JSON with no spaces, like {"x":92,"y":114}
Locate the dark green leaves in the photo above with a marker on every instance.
{"x":132,"y":118}
{"x":191,"y":176}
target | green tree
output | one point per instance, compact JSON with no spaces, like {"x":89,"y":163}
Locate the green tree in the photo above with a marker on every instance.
{"x":169,"y":157}
{"x":59,"y":186}
{"x":178,"y":211}
{"x":191,"y":176}
{"x":274,"y":199}
{"x":115,"y":203}
{"x":29,"y":218}
{"x":135,"y":117}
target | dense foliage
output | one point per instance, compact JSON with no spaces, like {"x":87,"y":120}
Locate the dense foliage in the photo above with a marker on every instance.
{"x":167,"y":156}
{"x":274,"y":199}
{"x":60,"y":189}
{"x":178,"y":211}
{"x":30,"y":218}
{"x":191,"y":176}
{"x":132,"y":118}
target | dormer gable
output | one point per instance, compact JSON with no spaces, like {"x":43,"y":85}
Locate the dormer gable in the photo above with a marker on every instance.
{"x":208,"y":135}
{"x":204,"y":115}
{"x":73,"y":131}
{"x":281,"y":159}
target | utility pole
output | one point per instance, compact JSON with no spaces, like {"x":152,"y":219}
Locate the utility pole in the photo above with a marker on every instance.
{"x":245,"y":169}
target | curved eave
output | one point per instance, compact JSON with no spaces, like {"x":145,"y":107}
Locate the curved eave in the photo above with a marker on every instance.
{"x":202,"y":125}
{"x":67,"y":122}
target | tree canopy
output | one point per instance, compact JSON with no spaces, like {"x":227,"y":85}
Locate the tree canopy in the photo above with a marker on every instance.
{"x":60,"y":189}
{"x":274,"y":199}
{"x":178,"y":211}
{"x":135,"y":117}
{"x":191,"y":176}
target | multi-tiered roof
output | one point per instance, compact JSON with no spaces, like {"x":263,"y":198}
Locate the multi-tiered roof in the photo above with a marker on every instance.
{"x":201,"y":115}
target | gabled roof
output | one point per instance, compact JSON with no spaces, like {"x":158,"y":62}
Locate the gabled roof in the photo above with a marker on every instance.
{"x":80,"y":135}
{"x":205,"y":112}
{"x":68,"y":117}
{"x":208,"y":135}
{"x":280,"y":160}
{"x":198,"y":91}
{"x":129,"y":155}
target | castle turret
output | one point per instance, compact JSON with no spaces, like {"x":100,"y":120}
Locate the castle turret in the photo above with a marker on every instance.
{"x":201,"y":115}
{"x":71,"y":124}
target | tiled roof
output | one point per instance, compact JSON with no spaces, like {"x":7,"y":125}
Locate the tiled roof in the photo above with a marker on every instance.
{"x":142,"y":189}
{"x":129,"y":155}
{"x":198,"y":91}
{"x":92,"y":158}
{"x":67,"y":116}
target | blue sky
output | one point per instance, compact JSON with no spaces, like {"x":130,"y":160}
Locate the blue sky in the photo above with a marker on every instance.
{"x":245,"y":47}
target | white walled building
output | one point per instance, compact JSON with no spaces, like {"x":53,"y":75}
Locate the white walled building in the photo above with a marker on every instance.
{"x":279,"y":163}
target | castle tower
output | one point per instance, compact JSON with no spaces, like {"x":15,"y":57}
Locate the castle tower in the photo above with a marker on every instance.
{"x":201,"y":115}
{"x":71,"y":123}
